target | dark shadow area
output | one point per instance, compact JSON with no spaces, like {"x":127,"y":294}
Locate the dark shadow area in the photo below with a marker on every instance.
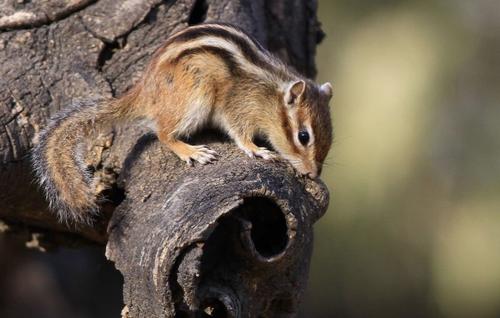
{"x":142,"y":143}
{"x":107,"y":53}
{"x":63,"y":283}
{"x":199,"y":12}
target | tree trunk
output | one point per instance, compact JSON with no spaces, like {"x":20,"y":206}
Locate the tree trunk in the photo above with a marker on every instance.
{"x":230,"y":239}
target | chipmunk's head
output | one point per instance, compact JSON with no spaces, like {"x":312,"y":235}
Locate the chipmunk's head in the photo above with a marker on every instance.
{"x":307,"y":125}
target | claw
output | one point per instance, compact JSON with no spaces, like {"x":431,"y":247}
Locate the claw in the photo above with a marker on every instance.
{"x":260,"y":152}
{"x":264,"y":153}
{"x":249,"y":153}
{"x":203,"y":154}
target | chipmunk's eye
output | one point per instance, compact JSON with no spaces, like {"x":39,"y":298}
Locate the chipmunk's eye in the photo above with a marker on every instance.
{"x":304,"y":137}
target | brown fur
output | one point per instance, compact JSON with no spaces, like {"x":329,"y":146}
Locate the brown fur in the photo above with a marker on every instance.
{"x":209,"y":74}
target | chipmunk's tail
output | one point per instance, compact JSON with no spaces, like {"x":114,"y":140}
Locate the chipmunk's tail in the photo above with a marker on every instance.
{"x":58,"y":158}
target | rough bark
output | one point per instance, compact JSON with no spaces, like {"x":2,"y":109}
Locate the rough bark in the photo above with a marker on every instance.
{"x":229,"y":239}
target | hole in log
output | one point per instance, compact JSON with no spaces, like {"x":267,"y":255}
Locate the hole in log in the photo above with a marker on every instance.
{"x":265,"y":230}
{"x":218,"y":301}
{"x":213,"y":307}
{"x":256,"y":232}
{"x":198,"y":13}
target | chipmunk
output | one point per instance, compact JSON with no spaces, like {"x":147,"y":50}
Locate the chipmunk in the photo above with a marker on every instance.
{"x":210,"y":74}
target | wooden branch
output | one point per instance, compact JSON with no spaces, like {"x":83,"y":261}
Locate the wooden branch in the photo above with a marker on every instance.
{"x":230,"y":239}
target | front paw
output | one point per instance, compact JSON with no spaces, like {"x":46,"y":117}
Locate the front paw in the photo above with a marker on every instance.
{"x":201,"y":154}
{"x":260,"y":152}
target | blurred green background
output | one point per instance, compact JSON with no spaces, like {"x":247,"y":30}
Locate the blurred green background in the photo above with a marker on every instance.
{"x":413,"y":228}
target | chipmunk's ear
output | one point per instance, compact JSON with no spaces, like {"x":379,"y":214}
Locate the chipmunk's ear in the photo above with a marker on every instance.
{"x":294,"y":92}
{"x":327,"y":90}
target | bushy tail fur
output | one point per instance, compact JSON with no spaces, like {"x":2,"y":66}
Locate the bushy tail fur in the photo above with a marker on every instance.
{"x":58,"y":158}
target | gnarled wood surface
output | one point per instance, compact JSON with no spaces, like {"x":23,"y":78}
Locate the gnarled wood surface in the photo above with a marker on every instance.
{"x":230,"y":239}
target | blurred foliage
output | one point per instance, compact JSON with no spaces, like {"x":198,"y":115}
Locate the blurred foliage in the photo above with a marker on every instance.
{"x":414,"y":172}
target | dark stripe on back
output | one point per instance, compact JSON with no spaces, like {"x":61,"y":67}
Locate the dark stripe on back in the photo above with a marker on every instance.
{"x":251,"y":37}
{"x":226,"y":56}
{"x":271,"y":56}
{"x":242,"y":43}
